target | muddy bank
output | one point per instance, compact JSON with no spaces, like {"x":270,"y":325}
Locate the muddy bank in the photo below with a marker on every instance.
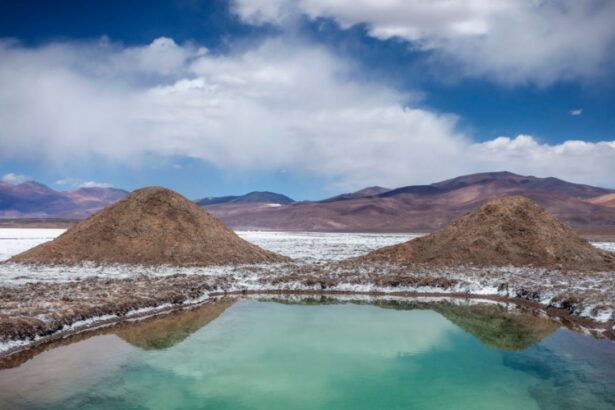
{"x":495,"y":321}
{"x":158,"y":329}
{"x":36,"y":312}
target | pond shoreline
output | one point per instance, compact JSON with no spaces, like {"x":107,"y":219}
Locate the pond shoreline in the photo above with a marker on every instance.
{"x":91,"y":325}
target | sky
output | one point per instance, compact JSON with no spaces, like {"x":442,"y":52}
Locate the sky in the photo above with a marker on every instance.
{"x":307,"y":97}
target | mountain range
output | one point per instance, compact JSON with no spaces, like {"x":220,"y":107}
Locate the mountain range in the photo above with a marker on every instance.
{"x":33,"y":200}
{"x":255,"y":197}
{"x":425,"y":207}
{"x":409,"y":208}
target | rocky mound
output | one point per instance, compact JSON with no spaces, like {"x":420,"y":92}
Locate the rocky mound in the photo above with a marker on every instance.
{"x":506,"y":231}
{"x":151,"y":226}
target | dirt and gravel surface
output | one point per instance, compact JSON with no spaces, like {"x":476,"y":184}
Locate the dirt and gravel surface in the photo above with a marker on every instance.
{"x":507,"y":231}
{"x":35,"y":311}
{"x":136,"y":276}
{"x":152,"y":226}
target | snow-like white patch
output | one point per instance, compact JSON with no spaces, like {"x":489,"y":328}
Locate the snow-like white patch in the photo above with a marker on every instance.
{"x":303,"y":247}
{"x":100,"y":321}
{"x":364,"y":298}
{"x":17,"y":240}
{"x":320,"y":247}
{"x":607,"y":246}
{"x":309,"y":247}
{"x":313,"y":251}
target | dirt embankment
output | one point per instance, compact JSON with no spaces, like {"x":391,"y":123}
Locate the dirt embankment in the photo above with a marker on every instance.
{"x":152,"y":226}
{"x":506,"y":231}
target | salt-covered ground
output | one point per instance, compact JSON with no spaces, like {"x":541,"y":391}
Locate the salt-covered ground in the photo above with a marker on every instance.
{"x":36,"y":301}
{"x":303,"y":247}
{"x":318,"y":247}
{"x":312,"y":247}
{"x":17,"y":240}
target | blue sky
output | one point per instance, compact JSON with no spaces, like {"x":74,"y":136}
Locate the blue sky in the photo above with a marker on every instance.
{"x":305,"y":98}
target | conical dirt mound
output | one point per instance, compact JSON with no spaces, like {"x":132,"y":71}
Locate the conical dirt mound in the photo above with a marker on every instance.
{"x":151,"y":226}
{"x":506,"y":231}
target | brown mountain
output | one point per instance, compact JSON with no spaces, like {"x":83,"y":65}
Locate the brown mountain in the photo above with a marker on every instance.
{"x":151,"y":226}
{"x":256,"y":197}
{"x":33,"y":200}
{"x":604,"y":200}
{"x":362,"y":193}
{"x":507,"y":231}
{"x":425,"y":207}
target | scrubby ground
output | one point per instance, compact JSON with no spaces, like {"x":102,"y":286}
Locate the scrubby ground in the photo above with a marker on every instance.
{"x":41,"y":301}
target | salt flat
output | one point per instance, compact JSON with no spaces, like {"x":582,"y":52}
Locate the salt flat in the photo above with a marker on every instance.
{"x":17,"y":240}
{"x":86,"y":295}
{"x":310,"y":247}
{"x":304,"y":247}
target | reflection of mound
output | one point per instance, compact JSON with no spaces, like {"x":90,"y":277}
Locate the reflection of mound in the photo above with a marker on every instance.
{"x":166,"y":331}
{"x":497,"y":328}
{"x":151,"y":226}
{"x":493,"y":325}
{"x":506,"y":231}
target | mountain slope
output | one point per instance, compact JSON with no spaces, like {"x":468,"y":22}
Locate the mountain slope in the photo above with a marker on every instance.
{"x":508,"y":180}
{"x":34,"y":200}
{"x":426,"y":207}
{"x":362,"y":193}
{"x":604,"y":200}
{"x":256,"y":197}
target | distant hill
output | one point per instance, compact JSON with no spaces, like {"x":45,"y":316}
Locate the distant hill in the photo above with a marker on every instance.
{"x":427,"y":207}
{"x":34,"y":200}
{"x":604,"y":200}
{"x":377,"y":209}
{"x":362,"y":193}
{"x":256,"y":197}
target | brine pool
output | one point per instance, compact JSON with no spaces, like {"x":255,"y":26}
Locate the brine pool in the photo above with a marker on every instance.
{"x":320,"y":353}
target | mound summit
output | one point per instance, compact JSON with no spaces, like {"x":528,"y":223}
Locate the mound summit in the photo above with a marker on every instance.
{"x":151,"y":226}
{"x":507,"y":231}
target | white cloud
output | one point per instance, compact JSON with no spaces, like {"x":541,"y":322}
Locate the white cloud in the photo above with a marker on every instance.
{"x":281,"y":105}
{"x":510,"y":40}
{"x":77,"y":182}
{"x":94,"y":184}
{"x":68,"y":181}
{"x":12,"y":178}
{"x":576,"y":112}
{"x":577,"y":161}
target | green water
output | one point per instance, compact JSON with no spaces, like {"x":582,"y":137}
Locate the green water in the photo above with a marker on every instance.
{"x":267,"y":355}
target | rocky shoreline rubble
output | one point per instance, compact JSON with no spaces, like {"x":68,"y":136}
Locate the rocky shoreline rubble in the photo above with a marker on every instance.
{"x":508,"y":250}
{"x":35,"y":311}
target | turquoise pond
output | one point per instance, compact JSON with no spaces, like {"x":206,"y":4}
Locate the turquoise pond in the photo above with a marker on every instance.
{"x":306,"y":354}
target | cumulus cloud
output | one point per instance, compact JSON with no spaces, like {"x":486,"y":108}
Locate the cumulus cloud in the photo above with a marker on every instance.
{"x":511,"y":41}
{"x":576,"y":112}
{"x":79,"y":183}
{"x":578,"y":161}
{"x":94,"y":184}
{"x":12,"y":178}
{"x":279,"y":106}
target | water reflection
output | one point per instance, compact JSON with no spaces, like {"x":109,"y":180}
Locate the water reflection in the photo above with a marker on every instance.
{"x":499,"y":326}
{"x":569,"y":371}
{"x":167,"y":331}
{"x":59,"y":370}
{"x":371,"y":353}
